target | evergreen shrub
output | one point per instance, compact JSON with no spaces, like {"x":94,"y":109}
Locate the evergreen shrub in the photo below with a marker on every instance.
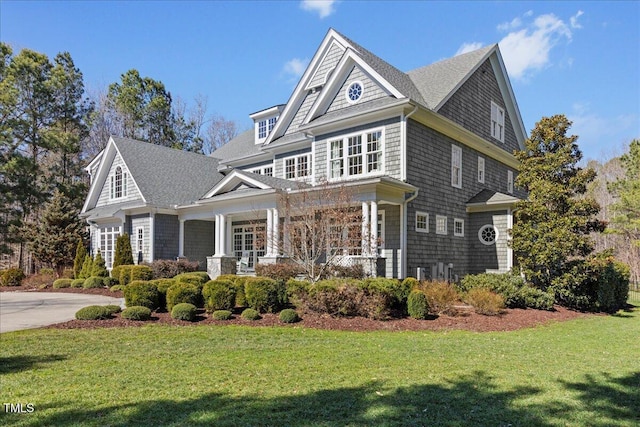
{"x":513,"y":289}
{"x":182,"y":293}
{"x":93,"y":312}
{"x":141,"y":294}
{"x":219,"y":295}
{"x":163,"y":286}
{"x":417,"y":305}
{"x":289,"y":315}
{"x":124,"y":274}
{"x":250,"y":314}
{"x":110,"y":281}
{"x":87,"y":267}
{"x":140,"y":272}
{"x":93,"y":282}
{"x":123,"y":254}
{"x":222,"y":315}
{"x":136,"y":312}
{"x":264,"y":294}
{"x":99,"y":269}
{"x":184,"y":311}
{"x":12,"y":277}
{"x":77,"y":283}
{"x":113,"y":309}
{"x":62,"y":283}
{"x":81,"y":252}
{"x":116,"y":288}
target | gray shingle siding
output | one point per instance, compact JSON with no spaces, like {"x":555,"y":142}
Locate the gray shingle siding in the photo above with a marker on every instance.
{"x":487,"y":257}
{"x":328,"y":63}
{"x":470,"y":107}
{"x":166,"y":235}
{"x":391,"y":251}
{"x":132,"y":192}
{"x":199,"y":241}
{"x":302,"y":111}
{"x":371,"y":90}
{"x":132,"y":224}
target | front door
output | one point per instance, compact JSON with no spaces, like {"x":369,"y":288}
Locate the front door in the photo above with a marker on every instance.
{"x":247,"y":242}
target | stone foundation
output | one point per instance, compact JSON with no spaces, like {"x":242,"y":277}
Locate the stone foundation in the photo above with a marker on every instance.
{"x":219,"y":265}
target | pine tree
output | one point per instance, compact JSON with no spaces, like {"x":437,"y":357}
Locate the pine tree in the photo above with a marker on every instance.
{"x":123,"y":255}
{"x":626,"y":220}
{"x":81,"y":253}
{"x":87,"y":267}
{"x":99,"y":268}
{"x":553,"y":225}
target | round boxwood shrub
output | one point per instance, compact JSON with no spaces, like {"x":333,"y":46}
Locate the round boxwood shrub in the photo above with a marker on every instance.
{"x":116,"y":288}
{"x":12,"y":277}
{"x":219,"y":295}
{"x":264,"y":294}
{"x":201,"y":275}
{"x":113,"y":309}
{"x":184,"y":311}
{"x":136,"y":312}
{"x":289,"y":315}
{"x":222,"y":315}
{"x":182,"y":292}
{"x":77,"y":283}
{"x":417,"y":305}
{"x":110,"y":281}
{"x":140,"y":272}
{"x":163,"y":286}
{"x":250,"y":314}
{"x":93,"y":312}
{"x":93,"y":282}
{"x":62,"y":283}
{"x":140,"y":293}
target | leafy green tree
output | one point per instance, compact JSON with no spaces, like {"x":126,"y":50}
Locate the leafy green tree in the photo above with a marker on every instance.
{"x":626,"y":209}
{"x":123,"y":255}
{"x":81,"y":253}
{"x":552,"y":226}
{"x":52,"y":239}
{"x":99,"y":268}
{"x":87,"y":267}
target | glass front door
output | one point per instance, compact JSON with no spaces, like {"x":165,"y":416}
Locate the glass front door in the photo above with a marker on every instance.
{"x":248,"y":244}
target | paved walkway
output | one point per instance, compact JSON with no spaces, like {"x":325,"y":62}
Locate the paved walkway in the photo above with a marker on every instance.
{"x":27,"y":310}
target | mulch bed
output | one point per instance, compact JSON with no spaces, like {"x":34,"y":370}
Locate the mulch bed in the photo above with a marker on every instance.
{"x":466,"y":319}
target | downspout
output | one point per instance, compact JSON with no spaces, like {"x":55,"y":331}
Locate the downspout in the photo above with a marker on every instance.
{"x":403,"y":146}
{"x":403,"y":233}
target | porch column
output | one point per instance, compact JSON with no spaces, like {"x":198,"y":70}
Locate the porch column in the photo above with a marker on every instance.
{"x":374,"y":228}
{"x":223,"y":235}
{"x":276,"y":232}
{"x":269,"y":233}
{"x":152,"y":238}
{"x":181,"y":239}
{"x":216,"y":235}
{"x":365,"y":229}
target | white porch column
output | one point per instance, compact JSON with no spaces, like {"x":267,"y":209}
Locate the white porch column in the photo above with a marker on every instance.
{"x":152,"y":238}
{"x":365,"y":229}
{"x":229,"y":235}
{"x":374,"y":228}
{"x":269,"y":234}
{"x":181,"y":239}
{"x":223,"y":234}
{"x":216,"y":236}
{"x":276,"y":232}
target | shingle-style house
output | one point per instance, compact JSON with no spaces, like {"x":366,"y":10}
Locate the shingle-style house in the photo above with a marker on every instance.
{"x":428,"y":153}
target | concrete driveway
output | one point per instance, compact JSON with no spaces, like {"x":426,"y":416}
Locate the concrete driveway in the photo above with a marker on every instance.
{"x":27,"y":310}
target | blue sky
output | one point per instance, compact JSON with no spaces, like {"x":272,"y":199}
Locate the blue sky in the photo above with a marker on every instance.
{"x":580,"y":58}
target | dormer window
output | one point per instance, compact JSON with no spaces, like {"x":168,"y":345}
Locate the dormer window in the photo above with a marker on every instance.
{"x":265,"y":121}
{"x":262,"y":129}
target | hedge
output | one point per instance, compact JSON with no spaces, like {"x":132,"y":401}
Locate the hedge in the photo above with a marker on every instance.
{"x":182,"y":293}
{"x":141,"y":293}
{"x":219,"y":295}
{"x":264,"y":294}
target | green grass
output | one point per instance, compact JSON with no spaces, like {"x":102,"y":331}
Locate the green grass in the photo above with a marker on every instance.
{"x":577,"y":373}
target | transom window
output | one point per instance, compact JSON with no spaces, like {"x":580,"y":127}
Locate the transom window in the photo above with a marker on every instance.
{"x":497,"y":122}
{"x":488,"y":234}
{"x":355,"y":155}
{"x":422,"y":222}
{"x":354,"y":91}
{"x":297,"y":167}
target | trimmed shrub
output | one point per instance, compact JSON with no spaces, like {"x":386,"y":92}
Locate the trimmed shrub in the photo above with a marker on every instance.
{"x":136,"y":312}
{"x":485,"y":301}
{"x":116,"y":288}
{"x":163,"y":286}
{"x":115,"y":273}
{"x":289,"y":315}
{"x":417,"y":305}
{"x":281,"y":271}
{"x":124,"y":274}
{"x":346,"y":297}
{"x":110,"y":281}
{"x":182,"y":293}
{"x":394,"y":289}
{"x":77,"y":283}
{"x":297,"y":291}
{"x":202,"y":277}
{"x":250,"y":314}
{"x":219,"y":295}
{"x":99,"y":269}
{"x":222,"y":315}
{"x":12,"y":277}
{"x":264,"y":294}
{"x":140,"y":272}
{"x":87,"y":267}
{"x":81,"y":252}
{"x":113,"y":309}
{"x":62,"y":283}
{"x":441,"y":297}
{"x":184,"y":311}
{"x":93,"y":283}
{"x":93,"y":312}
{"x":513,"y":289}
{"x":141,"y":294}
{"x":168,"y":268}
{"x":410,"y":283}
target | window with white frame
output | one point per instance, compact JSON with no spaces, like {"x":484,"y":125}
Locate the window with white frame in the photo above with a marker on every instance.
{"x":272,"y":123}
{"x":263,"y":170}
{"x":422,"y":222}
{"x":118,"y":184}
{"x":262,"y":129}
{"x":510,"y":182}
{"x":297,"y":166}
{"x":497,"y":122}
{"x":456,"y":166}
{"x":139,"y":240}
{"x":481,"y":170}
{"x":441,"y":224}
{"x":488,"y":234}
{"x":458,"y":227}
{"x":108,"y":237}
{"x":354,"y":155}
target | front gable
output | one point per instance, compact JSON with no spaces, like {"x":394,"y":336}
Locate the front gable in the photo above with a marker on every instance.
{"x":236,"y":180}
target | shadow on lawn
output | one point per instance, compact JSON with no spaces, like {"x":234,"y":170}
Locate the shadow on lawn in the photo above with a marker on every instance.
{"x":470,"y":400}
{"x":20,"y":363}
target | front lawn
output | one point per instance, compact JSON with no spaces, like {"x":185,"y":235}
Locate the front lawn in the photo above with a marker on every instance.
{"x":580,"y":372}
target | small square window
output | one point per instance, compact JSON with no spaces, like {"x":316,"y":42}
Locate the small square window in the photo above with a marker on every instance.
{"x":422,"y":222}
{"x":441,"y":224}
{"x":458,"y":227}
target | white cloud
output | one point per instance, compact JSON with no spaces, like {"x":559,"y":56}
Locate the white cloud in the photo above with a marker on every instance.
{"x":574,"y":20}
{"x":323,"y":7}
{"x":468,"y":47}
{"x":527,"y":50}
{"x":507,"y":26}
{"x":295,"y":67}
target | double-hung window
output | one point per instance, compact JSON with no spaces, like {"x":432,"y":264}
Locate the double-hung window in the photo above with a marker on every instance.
{"x":297,"y":166}
{"x":481,"y":170}
{"x":356,"y":155}
{"x":497,"y":122}
{"x":422,"y":222}
{"x":510,"y":182}
{"x":456,"y":166}
{"x":118,"y":184}
{"x":262,"y":129}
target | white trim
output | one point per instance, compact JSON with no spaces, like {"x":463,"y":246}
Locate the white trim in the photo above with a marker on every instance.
{"x":486,"y":227}
{"x":439,"y":219}
{"x":497,"y":129}
{"x":457,"y":221}
{"x":510,"y":181}
{"x":296,"y":163}
{"x":456,"y":161}
{"x":481,"y":170}
{"x":363,"y":154}
{"x":426,"y":216}
{"x":152,"y":236}
{"x":347,"y":91}
{"x":230,"y":181}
